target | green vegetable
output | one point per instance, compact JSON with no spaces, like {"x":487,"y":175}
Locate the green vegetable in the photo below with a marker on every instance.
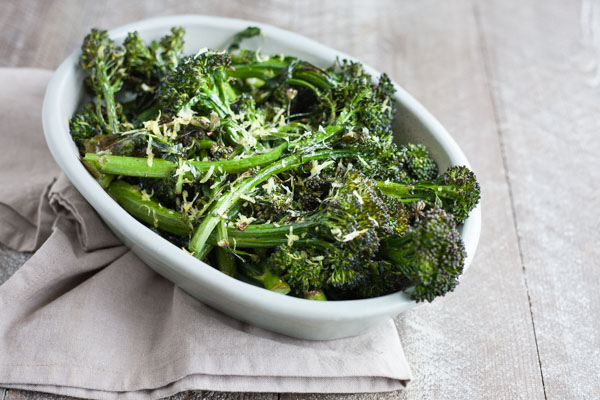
{"x":456,"y":190}
{"x":271,"y":169}
{"x":103,"y":60}
{"x":148,"y":211}
{"x":158,"y":168}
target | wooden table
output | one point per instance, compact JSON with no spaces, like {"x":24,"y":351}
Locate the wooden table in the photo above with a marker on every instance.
{"x":516,"y":82}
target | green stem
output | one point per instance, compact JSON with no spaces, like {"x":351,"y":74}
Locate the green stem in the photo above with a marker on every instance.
{"x":226,"y":261}
{"x":205,"y":144}
{"x":202,"y":255}
{"x":268,"y":279}
{"x":395,"y":189}
{"x":148,"y":211}
{"x":316,"y":294}
{"x":264,"y":235}
{"x":420,"y":191}
{"x":303,"y":75}
{"x":247,"y":33}
{"x":103,"y":179}
{"x":108,"y":94}
{"x":315,"y":77}
{"x":130,"y":166}
{"x":138,"y":166}
{"x":262,"y":70}
{"x":308,"y":85}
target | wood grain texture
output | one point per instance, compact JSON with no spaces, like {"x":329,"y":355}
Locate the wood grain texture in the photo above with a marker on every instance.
{"x":508,"y":79}
{"x":26,"y":395}
{"x":548,"y":102}
{"x":481,"y":335}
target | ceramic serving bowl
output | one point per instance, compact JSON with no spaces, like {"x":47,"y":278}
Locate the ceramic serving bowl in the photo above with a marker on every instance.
{"x":284,"y":314}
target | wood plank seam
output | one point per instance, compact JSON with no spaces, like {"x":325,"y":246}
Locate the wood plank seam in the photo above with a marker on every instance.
{"x":497,"y":109}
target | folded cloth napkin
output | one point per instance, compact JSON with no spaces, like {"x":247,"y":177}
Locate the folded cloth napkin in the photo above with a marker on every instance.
{"x":85,"y":317}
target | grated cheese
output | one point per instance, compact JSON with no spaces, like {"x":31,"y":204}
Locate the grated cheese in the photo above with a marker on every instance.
{"x":247,"y":198}
{"x":360,"y":200}
{"x":147,"y":196}
{"x":149,"y":151}
{"x":353,"y":235}
{"x":291,"y":238}
{"x":208,"y":174}
{"x":316,"y":168}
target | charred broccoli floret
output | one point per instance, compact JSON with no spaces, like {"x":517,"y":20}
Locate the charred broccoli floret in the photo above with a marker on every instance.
{"x":85,"y":125}
{"x":417,"y":163}
{"x":198,"y":83}
{"x":147,"y":64}
{"x":429,"y":255}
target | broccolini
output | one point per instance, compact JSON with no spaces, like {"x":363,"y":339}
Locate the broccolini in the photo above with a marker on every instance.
{"x":271,"y":169}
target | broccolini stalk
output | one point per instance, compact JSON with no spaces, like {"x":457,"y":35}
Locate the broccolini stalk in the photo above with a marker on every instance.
{"x":262,"y":275}
{"x":226,"y":261}
{"x":265,"y":235}
{"x":225,"y":258}
{"x":456,"y":191}
{"x":277,"y":71}
{"x":103,"y":179}
{"x":164,"y":219}
{"x":140,"y":166}
{"x":317,"y":294}
{"x":146,"y":210}
{"x":222,"y":206}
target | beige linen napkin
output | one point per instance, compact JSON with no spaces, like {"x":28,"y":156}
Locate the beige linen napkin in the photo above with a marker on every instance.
{"x":85,"y":317}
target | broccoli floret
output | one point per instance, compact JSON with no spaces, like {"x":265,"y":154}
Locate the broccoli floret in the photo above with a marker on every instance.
{"x":417,"y":163}
{"x":375,"y":111}
{"x":429,"y":255}
{"x":310,"y":192}
{"x":298,"y":268}
{"x":85,"y":125}
{"x":323,"y":266}
{"x":171,"y":47}
{"x":354,"y":214}
{"x":103,"y":60}
{"x":198,"y":82}
{"x":147,"y":64}
{"x":162,"y":190}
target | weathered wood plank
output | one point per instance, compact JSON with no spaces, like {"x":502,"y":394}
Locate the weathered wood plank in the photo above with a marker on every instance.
{"x":545,"y":70}
{"x":26,"y":395}
{"x":199,"y":395}
{"x":190,"y":395}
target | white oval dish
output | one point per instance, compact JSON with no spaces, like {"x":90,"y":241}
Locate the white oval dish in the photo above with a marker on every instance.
{"x":284,"y":314}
